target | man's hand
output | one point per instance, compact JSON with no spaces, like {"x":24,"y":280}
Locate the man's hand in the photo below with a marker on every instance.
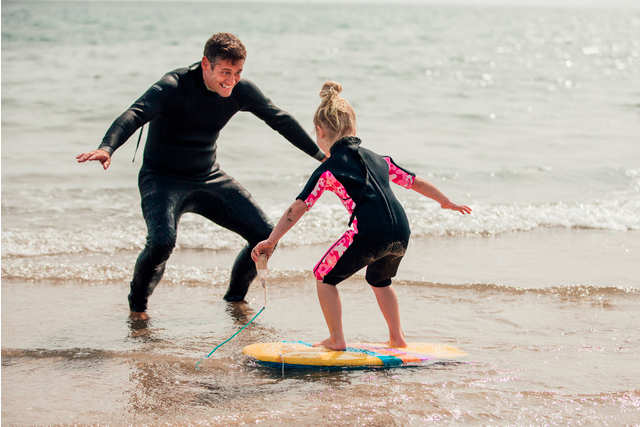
{"x":100,"y":155}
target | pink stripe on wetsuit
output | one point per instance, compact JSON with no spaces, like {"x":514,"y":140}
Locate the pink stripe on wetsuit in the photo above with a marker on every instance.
{"x":398,"y":175}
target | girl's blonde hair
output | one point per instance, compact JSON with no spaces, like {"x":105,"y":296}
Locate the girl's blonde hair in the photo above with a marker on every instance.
{"x":335,"y":115}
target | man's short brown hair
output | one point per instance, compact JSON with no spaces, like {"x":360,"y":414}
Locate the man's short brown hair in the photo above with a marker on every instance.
{"x":226,"y":47}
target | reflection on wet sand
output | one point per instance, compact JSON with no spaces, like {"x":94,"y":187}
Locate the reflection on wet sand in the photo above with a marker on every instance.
{"x":240,"y":311}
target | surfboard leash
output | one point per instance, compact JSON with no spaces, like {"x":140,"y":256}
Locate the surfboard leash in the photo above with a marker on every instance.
{"x":230,"y":338}
{"x":262,"y":274}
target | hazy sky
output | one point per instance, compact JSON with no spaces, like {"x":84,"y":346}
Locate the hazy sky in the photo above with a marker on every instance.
{"x":635,"y":4}
{"x":572,"y":3}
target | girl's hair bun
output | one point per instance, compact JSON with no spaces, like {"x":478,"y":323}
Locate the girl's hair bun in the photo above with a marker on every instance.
{"x":329,"y":90}
{"x":334,"y":114}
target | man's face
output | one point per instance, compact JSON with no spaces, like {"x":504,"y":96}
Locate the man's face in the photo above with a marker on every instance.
{"x":223,"y":77}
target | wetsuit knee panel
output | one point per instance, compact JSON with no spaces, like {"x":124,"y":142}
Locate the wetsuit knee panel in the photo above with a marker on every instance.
{"x":160,"y":245}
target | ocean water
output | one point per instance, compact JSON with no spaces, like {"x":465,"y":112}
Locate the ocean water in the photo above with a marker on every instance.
{"x":531,"y":116}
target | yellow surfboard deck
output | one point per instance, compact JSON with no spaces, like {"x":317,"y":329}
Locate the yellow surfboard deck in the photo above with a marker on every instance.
{"x":303,"y":355}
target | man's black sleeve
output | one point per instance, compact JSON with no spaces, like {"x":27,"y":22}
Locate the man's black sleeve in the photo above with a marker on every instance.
{"x":142,"y":111}
{"x":279,"y":120}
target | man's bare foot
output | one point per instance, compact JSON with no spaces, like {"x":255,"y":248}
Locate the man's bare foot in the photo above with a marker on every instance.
{"x":139,"y":315}
{"x":331,"y":344}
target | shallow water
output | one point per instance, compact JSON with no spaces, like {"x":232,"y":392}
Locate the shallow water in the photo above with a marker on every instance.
{"x":552,"y":356}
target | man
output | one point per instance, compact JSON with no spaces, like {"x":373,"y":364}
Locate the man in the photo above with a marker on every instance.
{"x":186,"y":110}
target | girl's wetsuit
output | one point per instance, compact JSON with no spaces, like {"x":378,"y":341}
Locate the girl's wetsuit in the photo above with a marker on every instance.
{"x":379,"y":232}
{"x":180,"y":173}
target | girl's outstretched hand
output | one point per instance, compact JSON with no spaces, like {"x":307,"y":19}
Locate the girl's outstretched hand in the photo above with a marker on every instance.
{"x":265,"y":247}
{"x":460,"y":208}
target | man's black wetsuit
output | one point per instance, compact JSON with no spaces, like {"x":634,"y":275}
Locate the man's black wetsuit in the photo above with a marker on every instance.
{"x":180,"y":173}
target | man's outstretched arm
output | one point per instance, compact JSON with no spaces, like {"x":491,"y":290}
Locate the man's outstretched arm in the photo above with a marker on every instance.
{"x":279,"y":120}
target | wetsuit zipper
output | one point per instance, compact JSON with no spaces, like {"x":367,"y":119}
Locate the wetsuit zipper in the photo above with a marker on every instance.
{"x":386,"y":203}
{"x":368,"y":173}
{"x":138,"y":144}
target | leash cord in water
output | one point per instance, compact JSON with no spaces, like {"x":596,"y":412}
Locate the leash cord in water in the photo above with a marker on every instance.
{"x":230,"y":338}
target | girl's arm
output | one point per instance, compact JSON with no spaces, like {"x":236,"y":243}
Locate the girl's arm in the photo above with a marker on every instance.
{"x":429,"y":190}
{"x":288,"y":220}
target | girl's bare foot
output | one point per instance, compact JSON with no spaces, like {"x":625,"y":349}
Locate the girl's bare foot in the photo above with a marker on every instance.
{"x":331,"y":344}
{"x":400,"y":343}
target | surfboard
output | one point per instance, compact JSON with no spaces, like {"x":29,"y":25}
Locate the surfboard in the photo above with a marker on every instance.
{"x":300,"y":354}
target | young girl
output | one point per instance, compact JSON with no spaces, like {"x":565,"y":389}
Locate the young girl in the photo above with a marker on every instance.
{"x":379,"y":230}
